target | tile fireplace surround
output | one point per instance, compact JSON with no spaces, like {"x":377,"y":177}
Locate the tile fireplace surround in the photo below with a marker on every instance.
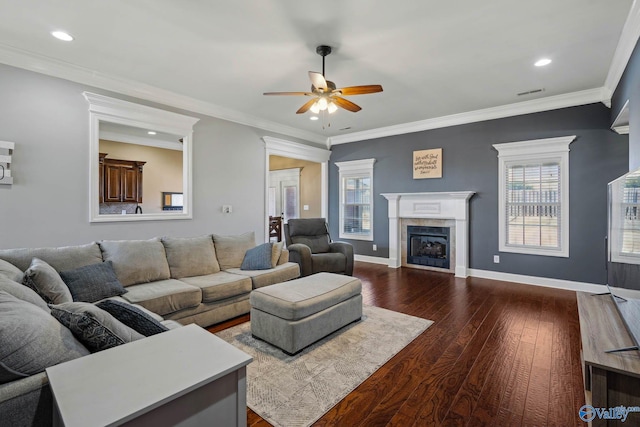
{"x":452,"y":205}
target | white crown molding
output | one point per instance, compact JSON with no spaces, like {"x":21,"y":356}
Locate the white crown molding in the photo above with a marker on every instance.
{"x":573,"y":99}
{"x":621,"y":123}
{"x":628,"y":40}
{"x":54,"y":67}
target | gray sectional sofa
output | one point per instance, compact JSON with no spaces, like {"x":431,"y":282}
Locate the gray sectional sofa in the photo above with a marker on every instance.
{"x":176,"y":280}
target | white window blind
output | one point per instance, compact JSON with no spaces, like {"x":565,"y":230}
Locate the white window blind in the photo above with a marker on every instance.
{"x":533,"y":207}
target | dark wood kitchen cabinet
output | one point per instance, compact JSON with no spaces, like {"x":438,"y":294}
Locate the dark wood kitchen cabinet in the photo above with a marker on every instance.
{"x":120,"y":180}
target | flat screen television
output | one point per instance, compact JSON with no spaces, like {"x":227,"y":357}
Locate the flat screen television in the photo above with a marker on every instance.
{"x":623,"y":250}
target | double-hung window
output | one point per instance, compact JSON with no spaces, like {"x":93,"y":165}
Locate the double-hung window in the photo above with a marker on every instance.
{"x":533,"y":213}
{"x":356,"y":199}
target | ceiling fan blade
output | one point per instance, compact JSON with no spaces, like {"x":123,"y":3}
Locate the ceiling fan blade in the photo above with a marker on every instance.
{"x":306,"y":106}
{"x":346,"y":104}
{"x":288,"y":93}
{"x":359,"y":90}
{"x":318,"y":81}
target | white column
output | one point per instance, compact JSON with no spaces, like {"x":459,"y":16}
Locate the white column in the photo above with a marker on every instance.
{"x":395,"y":252}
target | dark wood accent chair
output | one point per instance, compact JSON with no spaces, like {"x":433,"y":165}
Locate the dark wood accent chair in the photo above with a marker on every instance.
{"x":275,"y":227}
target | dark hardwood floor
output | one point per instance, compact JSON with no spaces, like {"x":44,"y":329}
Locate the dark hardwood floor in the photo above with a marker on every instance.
{"x":498,"y":354}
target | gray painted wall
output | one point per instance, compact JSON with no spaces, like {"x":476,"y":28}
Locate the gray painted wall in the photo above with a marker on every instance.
{"x":48,"y":203}
{"x":597,"y":156}
{"x":629,"y":89}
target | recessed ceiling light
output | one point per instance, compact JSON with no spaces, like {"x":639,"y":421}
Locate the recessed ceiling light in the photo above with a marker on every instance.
{"x":151,"y":132}
{"x":313,"y":118}
{"x":61,"y":35}
{"x":542,"y":62}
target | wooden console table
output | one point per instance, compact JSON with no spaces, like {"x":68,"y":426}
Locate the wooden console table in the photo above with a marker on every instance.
{"x":612,"y":378}
{"x":182,"y":377}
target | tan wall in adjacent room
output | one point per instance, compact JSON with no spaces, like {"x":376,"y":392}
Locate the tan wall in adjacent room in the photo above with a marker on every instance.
{"x":310,"y":183}
{"x":162,"y":172}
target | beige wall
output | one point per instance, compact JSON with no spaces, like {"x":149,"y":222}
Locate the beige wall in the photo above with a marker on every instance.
{"x":310,"y":183}
{"x":162,"y":172}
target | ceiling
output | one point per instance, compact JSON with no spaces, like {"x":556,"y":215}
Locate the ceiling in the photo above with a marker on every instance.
{"x":433,"y":58}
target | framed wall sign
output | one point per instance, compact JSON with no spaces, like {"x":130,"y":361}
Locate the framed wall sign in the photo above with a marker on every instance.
{"x":427,"y":163}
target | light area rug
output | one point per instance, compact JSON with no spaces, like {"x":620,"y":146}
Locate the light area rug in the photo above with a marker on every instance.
{"x":292,"y":391}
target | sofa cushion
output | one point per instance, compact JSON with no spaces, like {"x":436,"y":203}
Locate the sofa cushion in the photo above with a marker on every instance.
{"x":94,"y":327}
{"x":164,"y":296}
{"x":10,"y":271}
{"x":46,"y":281}
{"x":231,"y":249}
{"x":260,"y":278}
{"x":187,"y":257}
{"x":317,"y":244}
{"x":31,"y":340}
{"x":61,"y":258}
{"x":93,"y":282}
{"x":22,"y":292}
{"x":276,"y":253}
{"x":220,"y":285}
{"x":258,"y":258}
{"x":133,"y":317}
{"x":136,"y":261}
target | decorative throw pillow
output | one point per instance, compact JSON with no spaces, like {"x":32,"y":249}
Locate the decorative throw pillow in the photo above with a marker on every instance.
{"x":22,"y":293}
{"x":258,"y":258}
{"x":133,"y":317}
{"x":93,"y":282}
{"x":31,"y":340}
{"x":230,"y":250}
{"x":94,"y":327}
{"x":276,"y":251}
{"x":10,"y":271}
{"x":46,"y":281}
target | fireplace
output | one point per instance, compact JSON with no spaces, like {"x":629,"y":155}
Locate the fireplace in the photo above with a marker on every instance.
{"x":428,"y":246}
{"x":437,"y":209}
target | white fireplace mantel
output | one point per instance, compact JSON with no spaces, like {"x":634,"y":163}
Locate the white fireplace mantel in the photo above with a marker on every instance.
{"x":437,"y":205}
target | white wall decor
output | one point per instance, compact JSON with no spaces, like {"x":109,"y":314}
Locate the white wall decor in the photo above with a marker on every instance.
{"x":6,"y":150}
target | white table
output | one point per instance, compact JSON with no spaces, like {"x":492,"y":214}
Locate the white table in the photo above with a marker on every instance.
{"x":182,"y":377}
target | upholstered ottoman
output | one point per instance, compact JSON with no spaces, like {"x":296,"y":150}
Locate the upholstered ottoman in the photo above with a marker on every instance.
{"x":294,"y":314}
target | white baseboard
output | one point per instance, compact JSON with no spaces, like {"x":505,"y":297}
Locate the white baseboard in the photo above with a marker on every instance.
{"x":550,"y":283}
{"x":527,"y":280}
{"x":371,"y":259}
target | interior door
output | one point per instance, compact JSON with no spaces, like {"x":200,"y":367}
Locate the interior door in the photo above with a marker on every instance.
{"x":284,"y":193}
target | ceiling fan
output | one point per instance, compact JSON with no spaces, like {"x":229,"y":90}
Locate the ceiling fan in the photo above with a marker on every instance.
{"x":325,"y":94}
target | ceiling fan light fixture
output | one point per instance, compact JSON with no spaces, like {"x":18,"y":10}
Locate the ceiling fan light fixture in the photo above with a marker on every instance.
{"x":314,"y":108}
{"x":322,"y":104}
{"x":332,"y":107}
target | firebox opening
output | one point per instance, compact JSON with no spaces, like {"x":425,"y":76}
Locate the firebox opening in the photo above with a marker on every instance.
{"x":428,"y":246}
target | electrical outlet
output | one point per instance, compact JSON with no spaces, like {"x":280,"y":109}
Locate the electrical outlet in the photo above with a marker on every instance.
{"x":305,"y":207}
{"x":375,"y":247}
{"x":124,"y":211}
{"x":496,"y":259}
{"x":226,"y":209}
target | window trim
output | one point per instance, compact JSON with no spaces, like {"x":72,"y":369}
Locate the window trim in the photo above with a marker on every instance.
{"x":536,"y":150}
{"x":354,"y":168}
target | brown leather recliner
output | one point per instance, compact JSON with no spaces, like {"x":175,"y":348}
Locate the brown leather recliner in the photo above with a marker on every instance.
{"x":311,"y":248}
